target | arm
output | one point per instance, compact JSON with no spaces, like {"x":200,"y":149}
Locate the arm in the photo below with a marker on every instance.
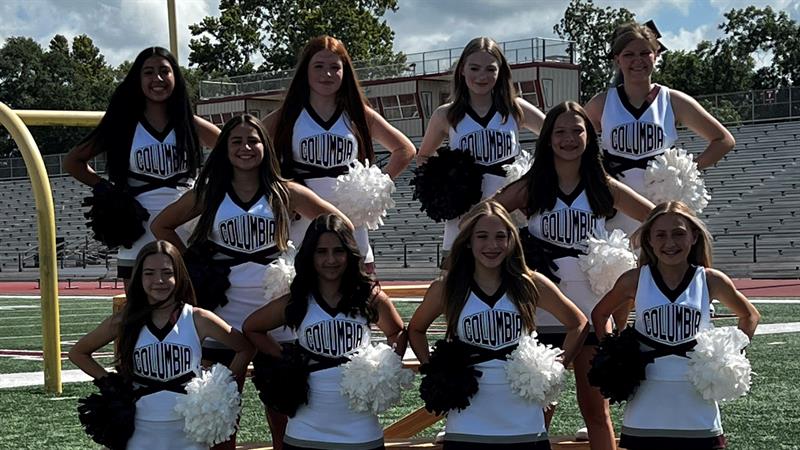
{"x":621,"y":295}
{"x":594,"y":109}
{"x":401,"y":149}
{"x":81,"y":353}
{"x":553,"y":301}
{"x":532,"y":117}
{"x":268,"y":317}
{"x":690,"y":113}
{"x":390,"y":323}
{"x":721,"y":287}
{"x":629,"y":201}
{"x":309,"y":204}
{"x":207,"y":132}
{"x":175,"y":215}
{"x":435,"y":134}
{"x":432,"y":306}
{"x":210,"y":325}
{"x":76,"y":163}
{"x":514,"y":196}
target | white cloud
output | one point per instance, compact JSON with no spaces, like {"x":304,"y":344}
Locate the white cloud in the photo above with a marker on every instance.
{"x":688,"y":39}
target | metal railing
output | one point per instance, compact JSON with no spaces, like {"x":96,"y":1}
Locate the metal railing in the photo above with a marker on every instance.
{"x":15,"y":167}
{"x":754,"y":106}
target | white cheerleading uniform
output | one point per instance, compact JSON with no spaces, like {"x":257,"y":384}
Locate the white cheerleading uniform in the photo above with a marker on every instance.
{"x":327,"y":422}
{"x":495,"y":415}
{"x":631,"y":137}
{"x":566,"y":229}
{"x":666,"y":405}
{"x":158,"y":175}
{"x":323,"y":150}
{"x":164,"y":360}
{"x":493,"y":144}
{"x":243,"y":235}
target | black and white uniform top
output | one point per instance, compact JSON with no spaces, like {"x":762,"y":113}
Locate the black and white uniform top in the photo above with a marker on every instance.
{"x":632,"y":137}
{"x":322,"y":150}
{"x":164,"y":360}
{"x":565,"y":230}
{"x":496,"y":415}
{"x":327,"y":422}
{"x":243,"y":235}
{"x":158,"y":175}
{"x":666,"y":404}
{"x":493,"y":143}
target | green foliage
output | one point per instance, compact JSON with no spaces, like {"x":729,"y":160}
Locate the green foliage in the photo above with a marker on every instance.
{"x":697,"y":72}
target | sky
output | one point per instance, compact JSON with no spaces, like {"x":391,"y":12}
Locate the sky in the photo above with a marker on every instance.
{"x":122,"y":28}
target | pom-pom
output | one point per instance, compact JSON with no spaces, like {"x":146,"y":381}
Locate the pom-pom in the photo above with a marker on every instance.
{"x":673,"y":175}
{"x":534,"y":371}
{"x":618,"y":366}
{"x":211,"y":406}
{"x":115,"y":216}
{"x":609,"y":256}
{"x":209,"y":277}
{"x":718,"y":367}
{"x":373,"y":380}
{"x":521,"y":165}
{"x":108,"y":417}
{"x":364,"y":194}
{"x":279,"y":274}
{"x":282,"y":383}
{"x":448,"y":381}
{"x":448,"y":184}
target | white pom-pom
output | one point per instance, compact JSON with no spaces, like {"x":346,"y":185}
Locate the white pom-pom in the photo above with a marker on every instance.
{"x":279,"y":274}
{"x":717,"y":367}
{"x":608,"y":257}
{"x":364,"y":194}
{"x":534,"y":371}
{"x":374,"y":379}
{"x":514,"y":171}
{"x":211,"y":406}
{"x":673,"y":175}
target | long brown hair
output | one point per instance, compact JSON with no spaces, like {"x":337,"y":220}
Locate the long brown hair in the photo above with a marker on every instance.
{"x":137,"y":308}
{"x":350,"y":99}
{"x":700,"y":254}
{"x":460,"y":265}
{"x":626,"y":33}
{"x":503,"y":95}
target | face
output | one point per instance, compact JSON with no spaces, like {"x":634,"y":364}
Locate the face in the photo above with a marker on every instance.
{"x":325,"y":73}
{"x":489,"y":242}
{"x":671,"y":237}
{"x":158,"y":80}
{"x":637,"y":60}
{"x":245,"y":148}
{"x":480,"y":73}
{"x":330,"y":257}
{"x":569,"y":136}
{"x":158,"y":278}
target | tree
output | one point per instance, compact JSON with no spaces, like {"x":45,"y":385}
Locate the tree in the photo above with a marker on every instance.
{"x":697,"y":72}
{"x":591,"y":28}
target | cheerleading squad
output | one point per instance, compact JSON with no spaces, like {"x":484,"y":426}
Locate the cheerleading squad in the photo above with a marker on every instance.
{"x":278,"y":267}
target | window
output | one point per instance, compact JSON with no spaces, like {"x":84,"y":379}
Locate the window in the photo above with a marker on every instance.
{"x":527,"y":90}
{"x":374,"y":103}
{"x":399,"y":107}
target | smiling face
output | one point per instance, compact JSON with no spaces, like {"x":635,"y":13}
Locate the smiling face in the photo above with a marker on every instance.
{"x":636,"y":60}
{"x":480,"y":73}
{"x":569,"y":137}
{"x":245,"y":148}
{"x":325,"y":73}
{"x":158,"y":278}
{"x":157,"y":78}
{"x":672,"y":238}
{"x":330,"y":257}
{"x":489,"y":242}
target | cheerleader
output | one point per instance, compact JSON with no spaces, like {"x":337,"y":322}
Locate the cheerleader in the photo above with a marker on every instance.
{"x":487,"y":277}
{"x":674,"y":279}
{"x":637,"y":118}
{"x":325,"y":124}
{"x":567,"y":197}
{"x":332,"y":303}
{"x":159,"y":320}
{"x":484,"y":106}
{"x":149,"y":118}
{"x":244,"y":206}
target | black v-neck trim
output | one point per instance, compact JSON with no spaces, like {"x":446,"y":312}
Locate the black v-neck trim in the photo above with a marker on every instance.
{"x":569,"y":198}
{"x":626,"y":102}
{"x":672,"y":294}
{"x":326,"y":124}
{"x":158,"y":135}
{"x":482,"y":121}
{"x":245,"y":205}
{"x":161,"y":333}
{"x":490,"y":300}
{"x":332,"y":311}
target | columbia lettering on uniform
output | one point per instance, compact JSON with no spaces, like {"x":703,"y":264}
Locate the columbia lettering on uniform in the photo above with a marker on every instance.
{"x":160,"y":160}
{"x":569,"y":227}
{"x":247,"y":232}
{"x":335,"y":337}
{"x":326,"y":150}
{"x":492,"y":328}
{"x":637,"y":138}
{"x":672,"y":324}
{"x":489,"y":146}
{"x":162,"y":360}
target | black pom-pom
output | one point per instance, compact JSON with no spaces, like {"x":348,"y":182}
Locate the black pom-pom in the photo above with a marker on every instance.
{"x":448,"y":185}
{"x":209,"y":277}
{"x":618,"y":367}
{"x":449,"y":380}
{"x":115,"y":216}
{"x":537,"y":257}
{"x":282,"y":383}
{"x":108,"y":417}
